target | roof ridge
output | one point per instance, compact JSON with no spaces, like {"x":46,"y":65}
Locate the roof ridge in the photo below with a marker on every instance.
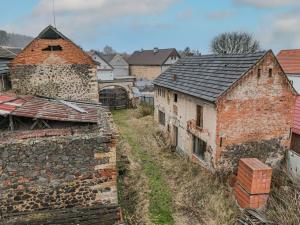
{"x":230,"y":68}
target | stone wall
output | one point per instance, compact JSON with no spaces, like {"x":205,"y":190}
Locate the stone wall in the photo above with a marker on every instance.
{"x":68,"y":73}
{"x":270,"y":152}
{"x":57,"y":172}
{"x":69,"y":82}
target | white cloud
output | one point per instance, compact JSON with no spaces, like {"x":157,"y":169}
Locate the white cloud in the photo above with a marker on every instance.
{"x":220,"y":15}
{"x":281,"y":31}
{"x":185,"y":14}
{"x":83,"y":17}
{"x":268,"y":3}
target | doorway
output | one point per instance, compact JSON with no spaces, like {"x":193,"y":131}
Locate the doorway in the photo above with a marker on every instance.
{"x":175,"y":137}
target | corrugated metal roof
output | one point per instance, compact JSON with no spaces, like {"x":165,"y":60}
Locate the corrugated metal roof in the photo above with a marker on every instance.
{"x":5,"y":54}
{"x":4,"y":69}
{"x":296,"y":123}
{"x":49,"y":109}
{"x":290,"y":60}
{"x":207,"y":76}
{"x":151,"y":57}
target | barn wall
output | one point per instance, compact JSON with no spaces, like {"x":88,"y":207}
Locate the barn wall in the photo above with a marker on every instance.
{"x":68,"y":74}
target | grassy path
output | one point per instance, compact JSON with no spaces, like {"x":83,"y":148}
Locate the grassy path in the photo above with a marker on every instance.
{"x":160,"y":197}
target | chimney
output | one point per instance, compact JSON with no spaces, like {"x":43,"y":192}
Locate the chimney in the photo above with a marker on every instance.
{"x":155,"y":50}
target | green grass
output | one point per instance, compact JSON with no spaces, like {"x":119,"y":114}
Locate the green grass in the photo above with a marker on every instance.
{"x":160,"y":198}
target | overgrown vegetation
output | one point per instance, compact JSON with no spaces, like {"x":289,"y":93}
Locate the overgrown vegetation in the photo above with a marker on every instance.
{"x":284,"y":203}
{"x":160,"y":199}
{"x":143,"y":110}
{"x":172,"y":190}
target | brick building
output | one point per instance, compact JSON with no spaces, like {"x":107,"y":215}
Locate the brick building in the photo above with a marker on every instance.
{"x":53,"y":66}
{"x":149,"y":64}
{"x":209,"y":104}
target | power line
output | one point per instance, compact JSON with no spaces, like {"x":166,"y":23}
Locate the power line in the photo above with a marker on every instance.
{"x":53,"y":10}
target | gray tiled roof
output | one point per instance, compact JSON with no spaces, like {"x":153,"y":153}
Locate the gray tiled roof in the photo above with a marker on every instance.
{"x":150,"y":57}
{"x":4,"y":53}
{"x":107,"y":57}
{"x":207,"y":76}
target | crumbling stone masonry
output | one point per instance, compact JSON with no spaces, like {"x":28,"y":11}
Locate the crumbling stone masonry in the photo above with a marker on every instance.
{"x":59,"y":172}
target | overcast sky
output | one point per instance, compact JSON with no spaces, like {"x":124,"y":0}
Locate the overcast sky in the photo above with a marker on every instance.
{"x":128,"y":25}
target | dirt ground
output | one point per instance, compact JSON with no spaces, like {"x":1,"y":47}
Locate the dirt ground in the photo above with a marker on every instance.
{"x":160,"y":187}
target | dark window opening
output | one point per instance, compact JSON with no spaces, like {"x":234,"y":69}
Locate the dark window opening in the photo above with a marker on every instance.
{"x":295,"y":143}
{"x":258,"y":73}
{"x":199,"y":116}
{"x":270,"y":72}
{"x":174,"y":77}
{"x":199,"y":147}
{"x":175,"y":97}
{"x":161,"y":117}
{"x":51,"y":48}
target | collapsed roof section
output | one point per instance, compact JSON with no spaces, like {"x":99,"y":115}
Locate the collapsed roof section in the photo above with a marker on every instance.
{"x":48,"y":109}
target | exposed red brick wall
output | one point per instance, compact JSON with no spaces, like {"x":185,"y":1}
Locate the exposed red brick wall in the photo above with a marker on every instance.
{"x":33,"y":54}
{"x":255,"y":108}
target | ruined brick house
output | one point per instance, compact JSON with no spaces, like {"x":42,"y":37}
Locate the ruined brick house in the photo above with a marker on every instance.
{"x":149,"y":64}
{"x":57,"y":162}
{"x":208,"y":104}
{"x":53,"y":66}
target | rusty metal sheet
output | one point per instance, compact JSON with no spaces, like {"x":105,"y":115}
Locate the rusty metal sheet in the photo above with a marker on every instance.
{"x":49,"y":109}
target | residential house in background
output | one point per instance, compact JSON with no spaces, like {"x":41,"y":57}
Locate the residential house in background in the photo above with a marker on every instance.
{"x":119,"y":63}
{"x":114,"y":83}
{"x":209,"y":104}
{"x":290,"y":62}
{"x":54,"y":66}
{"x":104,"y":69}
{"x":7,"y":54}
{"x":149,"y":64}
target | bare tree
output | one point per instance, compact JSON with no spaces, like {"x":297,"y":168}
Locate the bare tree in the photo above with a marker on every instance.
{"x":108,"y":50}
{"x":234,"y":43}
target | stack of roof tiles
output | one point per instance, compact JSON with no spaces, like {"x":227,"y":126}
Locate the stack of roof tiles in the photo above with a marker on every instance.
{"x":253,"y":183}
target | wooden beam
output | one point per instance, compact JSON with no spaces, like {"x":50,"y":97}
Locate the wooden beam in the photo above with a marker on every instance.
{"x":11,"y":122}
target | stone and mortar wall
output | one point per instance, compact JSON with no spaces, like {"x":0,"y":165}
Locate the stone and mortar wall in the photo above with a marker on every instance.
{"x":68,"y":74}
{"x":256,"y":109}
{"x":58,"y":172}
{"x":69,"y":82}
{"x":145,"y":72}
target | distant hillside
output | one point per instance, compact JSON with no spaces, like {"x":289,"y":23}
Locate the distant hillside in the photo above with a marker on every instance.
{"x":14,"y":40}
